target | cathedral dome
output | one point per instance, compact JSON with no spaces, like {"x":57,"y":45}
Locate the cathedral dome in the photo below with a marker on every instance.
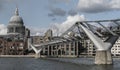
{"x":16,"y":25}
{"x":16,"y":19}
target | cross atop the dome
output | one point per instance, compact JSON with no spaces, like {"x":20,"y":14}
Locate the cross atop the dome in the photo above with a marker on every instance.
{"x":16,"y":11}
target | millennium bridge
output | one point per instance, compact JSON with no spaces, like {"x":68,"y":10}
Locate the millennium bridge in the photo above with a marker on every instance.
{"x":103,"y":39}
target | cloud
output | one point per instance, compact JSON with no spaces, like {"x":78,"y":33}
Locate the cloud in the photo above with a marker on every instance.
{"x":59,"y":28}
{"x":72,"y":12}
{"x":96,"y":6}
{"x":3,"y":29}
{"x":56,"y":12}
{"x":50,"y":14}
{"x":37,"y":30}
{"x":54,"y":19}
{"x":115,"y":4}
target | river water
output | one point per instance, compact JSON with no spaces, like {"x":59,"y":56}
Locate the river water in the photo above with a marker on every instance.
{"x":55,"y":64}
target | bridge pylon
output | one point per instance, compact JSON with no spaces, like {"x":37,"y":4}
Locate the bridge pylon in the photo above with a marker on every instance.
{"x":37,"y":55}
{"x":103,"y":57}
{"x":37,"y":51}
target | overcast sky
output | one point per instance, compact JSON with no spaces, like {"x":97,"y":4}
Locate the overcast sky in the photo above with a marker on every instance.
{"x":39,"y":15}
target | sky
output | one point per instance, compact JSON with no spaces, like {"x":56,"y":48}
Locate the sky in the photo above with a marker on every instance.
{"x":59,"y":15}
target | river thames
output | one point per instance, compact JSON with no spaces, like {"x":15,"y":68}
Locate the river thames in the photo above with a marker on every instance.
{"x":55,"y":64}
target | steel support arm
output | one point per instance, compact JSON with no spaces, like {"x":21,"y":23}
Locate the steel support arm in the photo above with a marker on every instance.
{"x":116,"y":23}
{"x":107,"y":29}
{"x":100,"y":45}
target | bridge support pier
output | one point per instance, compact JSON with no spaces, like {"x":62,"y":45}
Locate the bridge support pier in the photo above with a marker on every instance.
{"x":37,"y":55}
{"x":103,"y":57}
